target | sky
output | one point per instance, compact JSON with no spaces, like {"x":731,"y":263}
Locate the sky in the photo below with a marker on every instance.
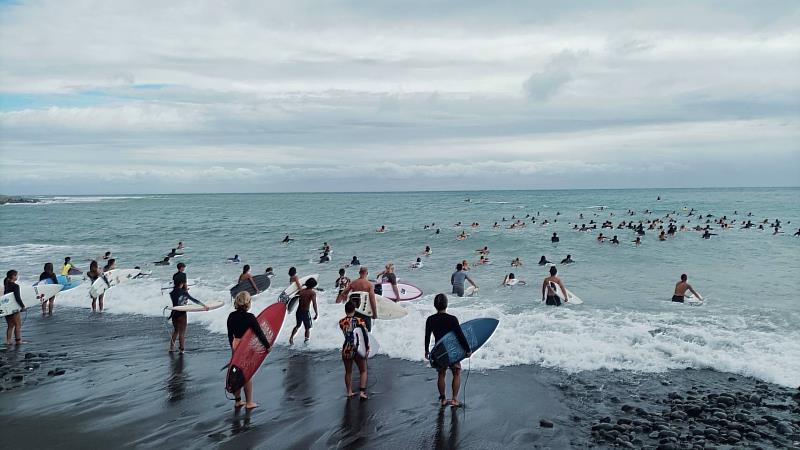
{"x":105,"y":97}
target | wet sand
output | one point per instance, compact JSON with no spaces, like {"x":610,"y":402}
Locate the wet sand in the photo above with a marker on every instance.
{"x":100,"y":380}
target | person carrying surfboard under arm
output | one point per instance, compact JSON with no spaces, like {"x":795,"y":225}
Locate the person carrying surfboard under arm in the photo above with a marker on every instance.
{"x":247,"y":276}
{"x":239,"y":321}
{"x":680,"y":290}
{"x":549,"y":295}
{"x":179,"y":295}
{"x":308,"y":297}
{"x":388,"y":276}
{"x":439,"y":325}
{"x":348,"y":325}
{"x":93,"y":274}
{"x":362,"y":284}
{"x":14,"y":321}
{"x":48,"y":274}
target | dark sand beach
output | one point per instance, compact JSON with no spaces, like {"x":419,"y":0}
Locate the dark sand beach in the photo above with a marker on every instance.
{"x":104,"y":381}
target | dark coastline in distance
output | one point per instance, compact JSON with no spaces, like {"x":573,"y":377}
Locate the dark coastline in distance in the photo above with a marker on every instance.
{"x":14,"y":199}
{"x":107,"y":381}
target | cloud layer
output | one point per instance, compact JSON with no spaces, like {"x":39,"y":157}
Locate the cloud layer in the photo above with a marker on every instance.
{"x":197,"y":97}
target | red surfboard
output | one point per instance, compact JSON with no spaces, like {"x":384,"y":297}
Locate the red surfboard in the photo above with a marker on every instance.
{"x":250,"y":353}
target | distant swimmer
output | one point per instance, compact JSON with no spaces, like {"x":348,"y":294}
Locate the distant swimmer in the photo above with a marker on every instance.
{"x":286,"y":240}
{"x":68,"y":268}
{"x":601,"y":238}
{"x":234,"y":260}
{"x":342,"y":282}
{"x":543,"y":261}
{"x":516,"y":262}
{"x":428,"y":251}
{"x":549,"y":295}
{"x":355,"y":261}
{"x":496,"y":225}
{"x":680,"y":290}
{"x":382,"y":229}
{"x":662,"y":236}
{"x":107,"y":255}
{"x":437,"y":231}
{"x":798,"y":232}
{"x":707,"y":234}
{"x":483,"y":260}
{"x":246,"y":276}
{"x":180,"y":245}
{"x":308,"y":298}
{"x":554,"y":239}
{"x":324,"y":258}
{"x":239,"y":321}
{"x":511,"y":280}
{"x":458,"y":278}
{"x":637,"y":241}
{"x":348,"y":325}
{"x":48,"y":274}
{"x":439,"y":325}
{"x":462,"y":236}
{"x":465,"y":264}
{"x":174,"y":253}
{"x":483,"y":251}
{"x":163,"y":262}
{"x":417,"y":264}
{"x":269,"y":272}
{"x":179,"y":296}
{"x":362,"y":284}
{"x":567,"y":260}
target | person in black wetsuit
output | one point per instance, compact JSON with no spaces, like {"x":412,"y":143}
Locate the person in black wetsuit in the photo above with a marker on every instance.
{"x":179,"y":295}
{"x":554,"y":239}
{"x":14,"y":321}
{"x":355,"y":261}
{"x":239,"y":322}
{"x":48,"y":274}
{"x":439,"y":325}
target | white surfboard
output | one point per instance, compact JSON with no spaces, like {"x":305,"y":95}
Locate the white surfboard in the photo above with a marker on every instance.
{"x":291,"y":290}
{"x":512,"y":282}
{"x":111,"y":279}
{"x":194,"y":307}
{"x":30,"y":296}
{"x":361,"y":348}
{"x":692,"y":300}
{"x":572,"y":299}
{"x":407,"y":291}
{"x":387,"y":309}
{"x":471,"y":291}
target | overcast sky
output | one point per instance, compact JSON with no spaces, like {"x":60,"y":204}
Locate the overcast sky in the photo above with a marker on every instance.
{"x":101,"y":97}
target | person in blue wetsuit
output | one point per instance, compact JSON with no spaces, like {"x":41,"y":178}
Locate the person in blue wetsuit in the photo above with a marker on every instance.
{"x":439,"y":325}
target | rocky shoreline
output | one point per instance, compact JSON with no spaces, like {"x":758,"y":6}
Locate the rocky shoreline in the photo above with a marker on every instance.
{"x":9,"y":199}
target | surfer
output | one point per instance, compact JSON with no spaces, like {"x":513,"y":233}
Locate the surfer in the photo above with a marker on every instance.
{"x":286,"y":240}
{"x":680,"y":290}
{"x":543,"y":261}
{"x":508,"y":280}
{"x":798,"y":232}
{"x":293,"y":278}
{"x":348,"y":325}
{"x":549,"y":295}
{"x":601,"y":238}
{"x":354,"y":261}
{"x":68,"y":268}
{"x":245,"y":276}
{"x":163,"y":262}
{"x":427,"y":251}
{"x":439,"y":325}
{"x":308,"y":297}
{"x":235,"y":259}
{"x":637,"y":241}
{"x":174,"y":253}
{"x":362,"y":284}
{"x":417,"y":264}
{"x":239,"y":321}
{"x":482,"y":260}
{"x":110,"y":265}
{"x":107,"y":255}
{"x":465,"y":265}
{"x":516,"y":262}
{"x":615,"y":240}
{"x":382,"y":229}
{"x":483,"y":251}
{"x":458,"y":278}
{"x":269,"y":272}
{"x":324,"y":258}
{"x":567,"y":260}
{"x":14,"y":321}
{"x":48,"y":274}
{"x":93,"y":274}
{"x":707,"y":234}
{"x":388,"y":276}
{"x":342,"y":282}
{"x":179,"y":295}
{"x":180,"y":245}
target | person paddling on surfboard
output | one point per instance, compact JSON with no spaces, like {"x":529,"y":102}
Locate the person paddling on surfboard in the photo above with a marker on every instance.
{"x":362,"y":284}
{"x":48,"y":274}
{"x":350,"y":354}
{"x":511,"y":280}
{"x":549,"y":295}
{"x":543,"y":261}
{"x":245,"y":276}
{"x":308,"y":297}
{"x":14,"y":321}
{"x":179,"y":295}
{"x":239,"y":322}
{"x":439,"y":325}
{"x":680,"y":290}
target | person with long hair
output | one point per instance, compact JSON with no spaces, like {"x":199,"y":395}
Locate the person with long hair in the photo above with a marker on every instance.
{"x":14,"y":321}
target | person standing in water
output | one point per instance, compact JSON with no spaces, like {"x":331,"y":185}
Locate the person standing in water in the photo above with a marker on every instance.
{"x":48,"y":274}
{"x":308,"y":297}
{"x":362,"y":284}
{"x":110,"y":265}
{"x":94,"y":274}
{"x":549,"y":295}
{"x":458,"y":278}
{"x":179,"y":295}
{"x":246,"y":276}
{"x":14,"y":321}
{"x":348,"y":325}
{"x":681,"y":287}
{"x":567,"y":260}
{"x":68,"y":268}
{"x":239,"y":321}
{"x":439,"y":325}
{"x":342,"y":282}
{"x":388,"y":276}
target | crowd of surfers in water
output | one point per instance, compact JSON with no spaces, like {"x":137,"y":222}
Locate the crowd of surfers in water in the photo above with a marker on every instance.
{"x":437,"y":325}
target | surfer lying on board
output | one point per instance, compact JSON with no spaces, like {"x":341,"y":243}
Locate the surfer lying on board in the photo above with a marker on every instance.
{"x":13,"y":321}
{"x":362,"y":284}
{"x":439,"y":325}
{"x":680,"y":290}
{"x":308,"y":297}
{"x":239,"y":322}
{"x":549,"y":295}
{"x":511,"y":280}
{"x":163,"y":262}
{"x":179,"y":295}
{"x":348,"y":325}
{"x":543,"y":261}
{"x":245,"y":276}
{"x":235,"y":259}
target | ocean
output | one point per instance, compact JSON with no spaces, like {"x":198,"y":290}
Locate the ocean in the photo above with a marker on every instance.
{"x":747,"y":326}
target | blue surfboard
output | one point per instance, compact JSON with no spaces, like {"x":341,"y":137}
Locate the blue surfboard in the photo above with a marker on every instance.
{"x":68,"y":281}
{"x":448,"y":351}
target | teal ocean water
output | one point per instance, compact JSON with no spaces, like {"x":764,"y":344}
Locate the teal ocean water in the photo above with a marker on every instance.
{"x":748,"y":325}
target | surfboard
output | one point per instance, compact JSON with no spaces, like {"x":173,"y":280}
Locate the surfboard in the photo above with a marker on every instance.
{"x":67,"y":281}
{"x":692,"y":300}
{"x":407,"y":291}
{"x":250,"y":353}
{"x":169,"y":285}
{"x":111,"y":279}
{"x":288,"y":295}
{"x":30,"y":296}
{"x":471,"y":291}
{"x":573,"y":299}
{"x":361,"y":348}
{"x":387,"y":309}
{"x":512,"y":282}
{"x":262,"y":281}
{"x":448,"y":351}
{"x":194,"y":307}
